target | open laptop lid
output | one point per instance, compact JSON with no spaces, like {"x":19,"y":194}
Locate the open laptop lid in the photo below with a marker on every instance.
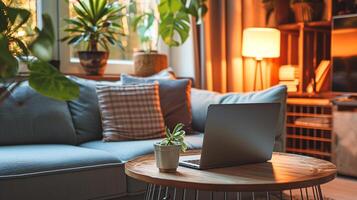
{"x":238,"y":134}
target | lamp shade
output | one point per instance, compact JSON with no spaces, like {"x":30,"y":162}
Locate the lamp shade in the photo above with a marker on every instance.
{"x":261,"y":43}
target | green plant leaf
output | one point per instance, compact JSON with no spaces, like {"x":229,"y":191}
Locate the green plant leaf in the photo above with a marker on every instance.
{"x":196,"y":8}
{"x":169,"y":6}
{"x":17,"y":17}
{"x":42,"y":46}
{"x":3,"y":18}
{"x":21,"y":45}
{"x":176,"y":137}
{"x":97,"y":22}
{"x":172,"y":25}
{"x":48,"y":81}
{"x":8,"y":63}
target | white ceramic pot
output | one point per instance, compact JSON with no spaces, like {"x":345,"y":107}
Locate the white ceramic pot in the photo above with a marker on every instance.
{"x":167,"y":157}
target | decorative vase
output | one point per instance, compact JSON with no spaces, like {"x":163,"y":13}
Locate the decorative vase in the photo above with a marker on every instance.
{"x":167,"y":157}
{"x":93,"y":62}
{"x":307,"y":11}
{"x":149,"y":63}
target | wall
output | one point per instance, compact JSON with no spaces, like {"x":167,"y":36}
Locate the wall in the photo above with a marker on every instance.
{"x":182,"y":58}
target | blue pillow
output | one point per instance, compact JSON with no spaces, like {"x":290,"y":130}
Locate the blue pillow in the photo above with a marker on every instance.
{"x":85,"y":112}
{"x":27,"y":117}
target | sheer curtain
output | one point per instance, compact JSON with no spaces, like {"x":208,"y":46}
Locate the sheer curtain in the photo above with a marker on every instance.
{"x":219,"y":63}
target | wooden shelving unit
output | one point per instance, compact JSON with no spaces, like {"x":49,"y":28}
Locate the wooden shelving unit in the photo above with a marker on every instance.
{"x":311,"y":139}
{"x":305,"y":45}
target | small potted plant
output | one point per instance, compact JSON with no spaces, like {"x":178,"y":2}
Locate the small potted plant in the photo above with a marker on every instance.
{"x":307,"y":10}
{"x":167,"y":152}
{"x":172,"y":19}
{"x":96,"y":25}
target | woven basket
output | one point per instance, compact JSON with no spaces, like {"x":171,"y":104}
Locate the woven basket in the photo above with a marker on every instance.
{"x":147,"y":64}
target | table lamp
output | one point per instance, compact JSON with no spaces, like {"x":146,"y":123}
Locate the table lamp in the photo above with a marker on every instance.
{"x":260,"y":43}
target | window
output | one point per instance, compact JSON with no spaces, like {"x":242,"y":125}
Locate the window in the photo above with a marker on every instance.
{"x":32,"y":6}
{"x":130,"y":41}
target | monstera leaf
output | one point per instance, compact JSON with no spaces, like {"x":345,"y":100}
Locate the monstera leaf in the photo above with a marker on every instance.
{"x":48,"y":81}
{"x":175,"y":23}
{"x":196,"y":8}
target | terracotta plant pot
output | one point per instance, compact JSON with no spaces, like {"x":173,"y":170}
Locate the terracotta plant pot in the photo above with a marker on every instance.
{"x":167,"y":157}
{"x":307,"y":12}
{"x":93,"y":62}
{"x":147,"y":64}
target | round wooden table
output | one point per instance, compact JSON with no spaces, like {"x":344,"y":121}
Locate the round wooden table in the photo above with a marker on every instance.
{"x":284,"y":172}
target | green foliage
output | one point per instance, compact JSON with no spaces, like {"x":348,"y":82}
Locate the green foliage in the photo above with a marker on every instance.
{"x":98,"y":22}
{"x":176,"y":137}
{"x":174,"y":20}
{"x":45,"y":79}
{"x":142,"y":24}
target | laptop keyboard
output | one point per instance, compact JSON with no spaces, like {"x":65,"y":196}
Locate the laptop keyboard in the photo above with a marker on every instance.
{"x":196,"y":162}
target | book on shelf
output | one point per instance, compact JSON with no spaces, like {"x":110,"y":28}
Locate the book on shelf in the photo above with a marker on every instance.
{"x":288,"y":72}
{"x":313,"y":122}
{"x":321,"y":74}
{"x":288,"y":75}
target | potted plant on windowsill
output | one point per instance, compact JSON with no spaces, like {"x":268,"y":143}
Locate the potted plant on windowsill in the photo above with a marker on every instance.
{"x":307,"y":10}
{"x":33,"y":49}
{"x":97,"y":25}
{"x":167,"y":152}
{"x":173,"y":22}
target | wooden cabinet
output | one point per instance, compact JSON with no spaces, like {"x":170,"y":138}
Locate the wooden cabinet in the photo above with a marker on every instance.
{"x":309,"y":127}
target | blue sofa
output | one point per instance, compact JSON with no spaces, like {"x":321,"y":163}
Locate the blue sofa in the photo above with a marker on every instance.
{"x":53,"y":150}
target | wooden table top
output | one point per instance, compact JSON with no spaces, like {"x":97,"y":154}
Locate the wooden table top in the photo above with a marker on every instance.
{"x":284,"y":171}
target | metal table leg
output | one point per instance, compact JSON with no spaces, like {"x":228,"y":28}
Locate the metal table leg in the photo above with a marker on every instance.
{"x":164,"y":193}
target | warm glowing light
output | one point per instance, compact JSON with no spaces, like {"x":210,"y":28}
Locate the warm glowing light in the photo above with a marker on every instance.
{"x":261,"y":43}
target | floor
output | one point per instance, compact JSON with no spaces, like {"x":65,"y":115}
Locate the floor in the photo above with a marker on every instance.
{"x":342,"y":188}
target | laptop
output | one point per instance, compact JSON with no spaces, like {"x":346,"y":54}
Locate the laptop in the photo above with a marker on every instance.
{"x":236,"y":134}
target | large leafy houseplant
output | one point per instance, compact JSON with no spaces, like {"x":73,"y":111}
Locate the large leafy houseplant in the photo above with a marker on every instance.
{"x":307,"y":10}
{"x":173,"y":21}
{"x":96,"y":26}
{"x":34,"y":50}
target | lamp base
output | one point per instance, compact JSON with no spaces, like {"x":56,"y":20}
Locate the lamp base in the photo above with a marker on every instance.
{"x":258,"y":67}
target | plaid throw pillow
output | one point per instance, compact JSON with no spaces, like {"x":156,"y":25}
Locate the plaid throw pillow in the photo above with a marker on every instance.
{"x":130,"y":112}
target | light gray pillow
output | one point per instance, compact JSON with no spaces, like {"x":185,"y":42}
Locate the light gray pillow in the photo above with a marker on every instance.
{"x":201,"y":99}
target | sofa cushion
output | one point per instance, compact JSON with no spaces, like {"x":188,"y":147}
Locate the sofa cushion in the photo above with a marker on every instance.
{"x":27,"y":117}
{"x":85,"y":110}
{"x":59,"y":172}
{"x":174,"y":99}
{"x":128,"y":150}
{"x":131,"y":112}
{"x":201,"y":99}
